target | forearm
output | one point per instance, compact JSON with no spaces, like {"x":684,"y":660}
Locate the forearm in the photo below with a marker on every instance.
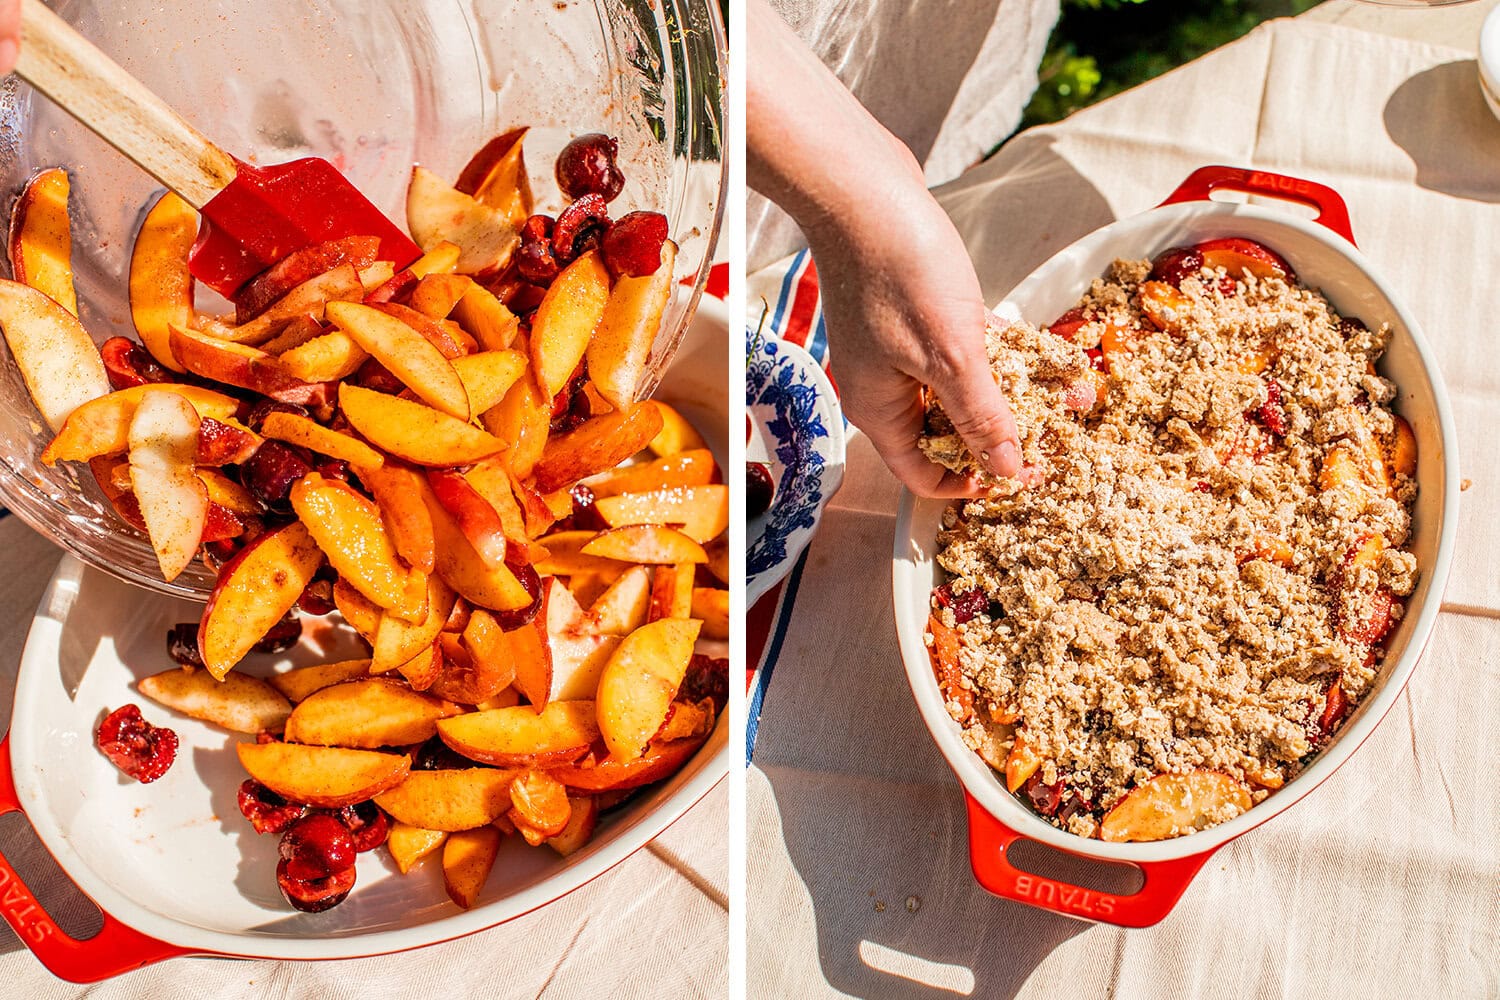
{"x":810,"y":146}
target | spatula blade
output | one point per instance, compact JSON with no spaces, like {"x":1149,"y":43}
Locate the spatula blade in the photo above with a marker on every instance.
{"x":267,"y":213}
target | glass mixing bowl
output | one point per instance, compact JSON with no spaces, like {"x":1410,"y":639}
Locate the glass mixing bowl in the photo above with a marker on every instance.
{"x":374,"y":86}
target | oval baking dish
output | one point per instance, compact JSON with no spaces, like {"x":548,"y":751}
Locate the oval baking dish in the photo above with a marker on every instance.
{"x":1323,"y":254}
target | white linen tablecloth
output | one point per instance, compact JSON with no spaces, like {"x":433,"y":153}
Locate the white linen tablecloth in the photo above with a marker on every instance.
{"x":654,"y":926}
{"x":1386,"y":883}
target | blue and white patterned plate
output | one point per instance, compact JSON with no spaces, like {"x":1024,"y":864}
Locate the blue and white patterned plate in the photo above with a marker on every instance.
{"x":797,"y":427}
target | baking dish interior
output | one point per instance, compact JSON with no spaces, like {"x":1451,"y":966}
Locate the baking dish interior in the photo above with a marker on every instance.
{"x":1324,"y":261}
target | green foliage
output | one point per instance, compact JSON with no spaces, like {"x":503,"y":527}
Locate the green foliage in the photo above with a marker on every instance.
{"x":1101,"y":47}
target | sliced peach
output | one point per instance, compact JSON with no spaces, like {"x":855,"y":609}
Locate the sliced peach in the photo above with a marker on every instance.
{"x":397,"y":641}
{"x":597,"y":773}
{"x":540,"y":804}
{"x":687,"y":720}
{"x":57,"y":357}
{"x":326,"y":358}
{"x":563,"y":323}
{"x":311,"y":298}
{"x":1164,"y":305}
{"x":639,"y":682}
{"x":582,"y":818}
{"x":488,"y":375}
{"x":620,"y":347}
{"x":406,"y":354}
{"x":718,"y":558}
{"x":475,"y":516}
{"x":393,"y":485}
{"x":246,"y":367}
{"x":489,"y":654}
{"x":437,"y":213}
{"x":622,"y":607}
{"x":349,"y":530}
{"x":1171,"y":805}
{"x":1022,"y":763}
{"x":597,"y":444}
{"x":41,"y":239}
{"x":1237,"y":255}
{"x":520,"y":737}
{"x":711,"y":606}
{"x":463,"y":799}
{"x":688,"y":468}
{"x":1339,"y":469}
{"x":365,"y":714}
{"x":163,"y":476}
{"x":1401,"y":451}
{"x":468,"y":857}
{"x":324,"y":777}
{"x":652,"y":544}
{"x":468,"y":678}
{"x":423,"y":670}
{"x":676,"y":434}
{"x":410,"y":844}
{"x":414,"y":432}
{"x":301,"y":266}
{"x":437,"y":294}
{"x":227,"y":493}
{"x":702,"y":511}
{"x":440,"y":258}
{"x":522,"y":420}
{"x":254,"y":591}
{"x":298,"y":683}
{"x":161,"y":287}
{"x":566,"y":653}
{"x":462,"y":568}
{"x":239,"y":703}
{"x":298,"y":332}
{"x":486,"y":319}
{"x":671,"y":592}
{"x":492,"y":482}
{"x":362,"y":614}
{"x":565,"y":555}
{"x":377,"y":275}
{"x":294,"y":428}
{"x":101,"y":426}
{"x":1270,"y":548}
{"x":496,"y":176}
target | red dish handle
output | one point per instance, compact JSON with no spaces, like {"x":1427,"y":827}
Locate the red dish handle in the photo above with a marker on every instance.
{"x":1332,"y":212}
{"x":115,"y":949}
{"x":989,"y":839}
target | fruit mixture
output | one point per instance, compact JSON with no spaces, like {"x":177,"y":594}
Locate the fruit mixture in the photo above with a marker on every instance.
{"x":449,"y":454}
{"x":1188,"y":588}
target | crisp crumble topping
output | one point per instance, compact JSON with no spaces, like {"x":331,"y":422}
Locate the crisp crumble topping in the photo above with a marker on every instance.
{"x":1205,"y":540}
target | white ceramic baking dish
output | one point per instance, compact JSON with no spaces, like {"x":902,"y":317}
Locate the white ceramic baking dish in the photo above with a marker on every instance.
{"x":1323,"y":254}
{"x":174,"y":867}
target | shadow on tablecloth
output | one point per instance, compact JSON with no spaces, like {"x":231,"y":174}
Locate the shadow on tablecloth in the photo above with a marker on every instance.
{"x":1440,"y":119}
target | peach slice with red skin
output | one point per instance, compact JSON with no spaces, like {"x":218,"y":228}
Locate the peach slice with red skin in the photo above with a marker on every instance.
{"x":583,"y":817}
{"x":672,"y":592}
{"x":41,"y":238}
{"x":600,"y":773}
{"x":299,"y":267}
{"x":652,"y":544}
{"x":393,"y":485}
{"x":311,"y":298}
{"x":702,"y":511}
{"x":476,"y":517}
{"x":496,"y":176}
{"x":1173,"y":805}
{"x":293,"y":428}
{"x":561,"y":653}
{"x":485,"y":318}
{"x":161,"y":287}
{"x":254,"y":591}
{"x":943,"y":651}
{"x":1237,"y":255}
{"x":243,"y":366}
{"x":437,"y":294}
{"x":640,"y":680}
{"x":327,"y":357}
{"x":415,"y":432}
{"x":173,"y":501}
{"x":362,"y":614}
{"x":461,"y":567}
{"x":689,"y":468}
{"x":57,"y":357}
{"x":623,"y":606}
{"x":521,"y":737}
{"x":451,"y":340}
{"x":595,"y":445}
{"x":323,"y":777}
{"x":397,"y":641}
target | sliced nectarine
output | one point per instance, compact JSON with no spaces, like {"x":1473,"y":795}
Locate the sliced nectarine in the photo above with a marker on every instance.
{"x":367,"y":713}
{"x":620,"y":347}
{"x":57,"y":357}
{"x":163,"y":476}
{"x":407,"y":354}
{"x":522,"y":420}
{"x":563,"y":323}
{"x":311,"y":298}
{"x":239,"y":703}
{"x":437,"y":294}
{"x":468,"y":856}
{"x":464,"y":799}
{"x":622,"y":607}
{"x":393,"y":485}
{"x":437,"y":213}
{"x":676,"y":434}
{"x":298,"y":683}
{"x":409,"y":844}
{"x":413,"y":431}
{"x":582,"y":818}
{"x":462,"y":568}
{"x":254,"y":591}
{"x":597,"y":444}
{"x":639,"y":682}
{"x":241,"y":365}
{"x":486,"y":319}
{"x":520,"y":737}
{"x":711,"y":606}
{"x":688,"y":468}
{"x":325,"y":358}
{"x":397,"y":641}
{"x":41,"y":238}
{"x":671,"y":592}
{"x":324,"y":777}
{"x":652,"y":544}
{"x":362,"y":614}
{"x":101,"y":426}
{"x":598,"y":773}
{"x":702,"y":511}
{"x":161,"y":287}
{"x":349,"y":530}
{"x":540,"y":805}
{"x":1172,"y":805}
{"x":496,"y":176}
{"x":294,"y":428}
{"x":488,"y":375}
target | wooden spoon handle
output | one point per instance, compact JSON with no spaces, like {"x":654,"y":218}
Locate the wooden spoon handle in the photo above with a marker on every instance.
{"x":91,"y":87}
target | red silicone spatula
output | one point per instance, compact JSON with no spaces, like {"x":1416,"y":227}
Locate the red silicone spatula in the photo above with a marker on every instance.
{"x":252,"y":216}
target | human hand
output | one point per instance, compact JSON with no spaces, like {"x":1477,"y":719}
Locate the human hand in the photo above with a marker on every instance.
{"x":900,"y":299}
{"x":10,"y":34}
